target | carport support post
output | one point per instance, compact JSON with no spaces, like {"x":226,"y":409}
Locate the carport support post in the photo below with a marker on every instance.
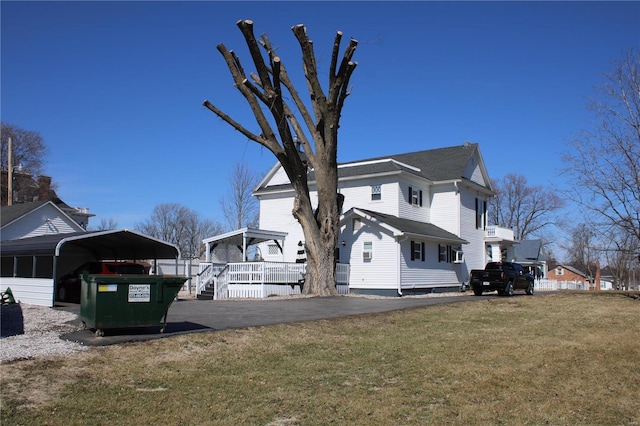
{"x":55,"y":279}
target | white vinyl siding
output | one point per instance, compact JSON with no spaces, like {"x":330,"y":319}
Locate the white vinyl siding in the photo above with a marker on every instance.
{"x":429,"y":273}
{"x":357,"y":193}
{"x":275,"y":215}
{"x":378,"y":273}
{"x":279,"y":177}
{"x":42,"y":221}
{"x":407,"y":208}
{"x":31,"y":291}
{"x":474,"y":252}
{"x":445,"y":211}
{"x":473,"y":172}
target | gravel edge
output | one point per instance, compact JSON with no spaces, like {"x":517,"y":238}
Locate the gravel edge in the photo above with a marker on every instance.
{"x":30,"y":331}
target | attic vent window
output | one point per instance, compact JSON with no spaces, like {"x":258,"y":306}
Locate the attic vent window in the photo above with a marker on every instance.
{"x":376,"y":192}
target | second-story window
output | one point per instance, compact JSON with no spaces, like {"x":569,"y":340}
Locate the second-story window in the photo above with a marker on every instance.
{"x":415,"y":196}
{"x":376,"y":192}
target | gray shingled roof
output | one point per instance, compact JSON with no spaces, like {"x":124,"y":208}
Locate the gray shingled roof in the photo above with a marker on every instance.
{"x":415,"y":227}
{"x":10,"y":213}
{"x":527,"y":250}
{"x":439,"y":164}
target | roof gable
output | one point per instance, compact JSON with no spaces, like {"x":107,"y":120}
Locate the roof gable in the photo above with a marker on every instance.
{"x":30,"y":219}
{"x":9,"y":214}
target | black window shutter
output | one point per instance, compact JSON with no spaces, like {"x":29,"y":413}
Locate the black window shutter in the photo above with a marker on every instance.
{"x":422,"y":251}
{"x":421,"y":201}
{"x":439,"y":248}
{"x":477,"y":215}
{"x":410,"y":197}
{"x":484,"y":214}
{"x":412,"y":253}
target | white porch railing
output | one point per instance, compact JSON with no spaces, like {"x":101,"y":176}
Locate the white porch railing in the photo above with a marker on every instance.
{"x":206,"y":275}
{"x":553,"y":285}
{"x":261,"y":279}
{"x":498,"y":233}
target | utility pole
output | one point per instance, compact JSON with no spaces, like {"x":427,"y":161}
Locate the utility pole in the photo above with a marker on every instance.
{"x":10,"y":173}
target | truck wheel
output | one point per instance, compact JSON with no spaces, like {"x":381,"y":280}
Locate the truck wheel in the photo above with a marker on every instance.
{"x":62,"y":294}
{"x":477,"y":291}
{"x":508,"y":290}
{"x":530,"y":289}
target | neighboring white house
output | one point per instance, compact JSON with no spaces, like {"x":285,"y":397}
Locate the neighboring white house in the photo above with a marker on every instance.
{"x":413,"y":222}
{"x":33,"y":219}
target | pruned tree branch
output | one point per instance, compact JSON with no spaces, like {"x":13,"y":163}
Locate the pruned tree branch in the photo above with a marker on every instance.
{"x":265,"y":91}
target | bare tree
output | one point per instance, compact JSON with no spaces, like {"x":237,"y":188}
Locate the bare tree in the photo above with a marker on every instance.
{"x":239,"y":206}
{"x":525,"y":209}
{"x":583,"y":249}
{"x":106,"y":225}
{"x":604,"y":160}
{"x":179,"y":225}
{"x":271,"y":91}
{"x":622,"y":258}
{"x":29,"y":149}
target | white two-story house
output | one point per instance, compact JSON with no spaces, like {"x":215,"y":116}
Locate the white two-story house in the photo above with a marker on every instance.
{"x":411,"y":223}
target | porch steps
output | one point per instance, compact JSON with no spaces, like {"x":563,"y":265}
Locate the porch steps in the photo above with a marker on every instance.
{"x":207,"y":293}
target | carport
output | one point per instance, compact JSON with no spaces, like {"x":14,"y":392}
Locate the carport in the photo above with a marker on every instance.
{"x":31,"y":266}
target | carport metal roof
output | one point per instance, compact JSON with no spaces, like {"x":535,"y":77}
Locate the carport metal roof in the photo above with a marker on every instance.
{"x":112,"y":245}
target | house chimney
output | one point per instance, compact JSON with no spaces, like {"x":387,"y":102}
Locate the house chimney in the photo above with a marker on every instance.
{"x":44,"y":186}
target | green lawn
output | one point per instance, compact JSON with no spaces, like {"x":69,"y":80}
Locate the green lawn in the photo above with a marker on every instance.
{"x":561,"y":359}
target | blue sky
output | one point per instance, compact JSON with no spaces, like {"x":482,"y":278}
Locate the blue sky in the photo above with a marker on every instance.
{"x":116,"y":88}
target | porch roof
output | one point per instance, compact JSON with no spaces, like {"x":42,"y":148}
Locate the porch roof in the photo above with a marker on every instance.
{"x":401,"y":226}
{"x":247,"y":236}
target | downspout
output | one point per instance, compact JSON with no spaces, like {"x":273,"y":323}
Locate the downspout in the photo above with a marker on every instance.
{"x":399,"y":242}
{"x":455,"y":184}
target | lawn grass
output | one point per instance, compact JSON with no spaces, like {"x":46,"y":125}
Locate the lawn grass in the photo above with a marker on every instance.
{"x":560,"y":359}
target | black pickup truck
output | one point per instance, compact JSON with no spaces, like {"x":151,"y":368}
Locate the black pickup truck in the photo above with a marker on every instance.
{"x":505,"y":277}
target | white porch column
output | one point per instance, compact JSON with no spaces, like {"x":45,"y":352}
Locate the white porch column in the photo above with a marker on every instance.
{"x":208,"y":253}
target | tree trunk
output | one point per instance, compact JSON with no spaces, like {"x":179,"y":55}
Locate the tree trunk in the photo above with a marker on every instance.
{"x":319,"y":142}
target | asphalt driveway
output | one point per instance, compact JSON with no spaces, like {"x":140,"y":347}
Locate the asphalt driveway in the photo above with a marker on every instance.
{"x":189,"y":316}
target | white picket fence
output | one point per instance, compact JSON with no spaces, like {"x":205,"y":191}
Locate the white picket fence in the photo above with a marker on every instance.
{"x":553,"y":285}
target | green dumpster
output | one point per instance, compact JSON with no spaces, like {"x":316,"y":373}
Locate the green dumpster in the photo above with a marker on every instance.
{"x":121,"y":301}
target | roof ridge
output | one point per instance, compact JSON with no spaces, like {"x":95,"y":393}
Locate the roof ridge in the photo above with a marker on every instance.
{"x":391,"y":156}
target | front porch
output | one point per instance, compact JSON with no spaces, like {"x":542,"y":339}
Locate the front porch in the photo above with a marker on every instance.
{"x":259,"y":279}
